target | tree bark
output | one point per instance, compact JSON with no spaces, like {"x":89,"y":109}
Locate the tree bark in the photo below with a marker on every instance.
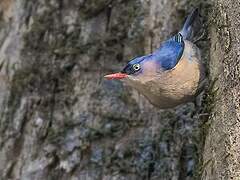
{"x":221,"y":153}
{"x":61,"y":120}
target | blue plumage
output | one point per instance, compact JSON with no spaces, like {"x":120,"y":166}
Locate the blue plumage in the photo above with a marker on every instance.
{"x":166,"y":56}
{"x":169,"y":53}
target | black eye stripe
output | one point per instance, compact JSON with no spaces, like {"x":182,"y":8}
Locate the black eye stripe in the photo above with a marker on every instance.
{"x":131,"y":68}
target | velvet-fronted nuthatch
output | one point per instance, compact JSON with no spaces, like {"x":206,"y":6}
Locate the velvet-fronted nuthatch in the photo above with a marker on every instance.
{"x":171,"y":75}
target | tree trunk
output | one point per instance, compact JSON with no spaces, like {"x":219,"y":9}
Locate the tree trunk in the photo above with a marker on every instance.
{"x":221,"y":155}
{"x":61,"y":120}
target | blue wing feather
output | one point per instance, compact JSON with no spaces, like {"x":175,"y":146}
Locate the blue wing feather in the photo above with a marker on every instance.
{"x":169,"y":53}
{"x":166,"y":57}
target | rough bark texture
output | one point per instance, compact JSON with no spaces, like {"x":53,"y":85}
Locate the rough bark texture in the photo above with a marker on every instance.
{"x":221,"y":155}
{"x":61,"y":120}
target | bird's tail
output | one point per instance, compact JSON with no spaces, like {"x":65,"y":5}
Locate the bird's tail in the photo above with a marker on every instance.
{"x":191,"y":26}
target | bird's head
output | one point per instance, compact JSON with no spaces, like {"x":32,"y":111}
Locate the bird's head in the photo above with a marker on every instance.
{"x":137,"y":70}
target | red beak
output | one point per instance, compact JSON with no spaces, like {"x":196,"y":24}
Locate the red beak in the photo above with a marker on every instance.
{"x":116,"y":76}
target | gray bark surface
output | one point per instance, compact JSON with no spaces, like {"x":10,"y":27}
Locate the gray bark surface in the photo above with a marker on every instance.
{"x":61,"y":120}
{"x":221,"y":153}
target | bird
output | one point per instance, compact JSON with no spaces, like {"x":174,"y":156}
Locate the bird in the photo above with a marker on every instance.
{"x":173,"y":74}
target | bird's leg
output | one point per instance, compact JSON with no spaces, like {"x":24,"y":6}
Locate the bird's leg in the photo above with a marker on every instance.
{"x":201,"y":37}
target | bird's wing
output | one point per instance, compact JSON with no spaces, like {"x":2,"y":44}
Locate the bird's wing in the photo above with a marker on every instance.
{"x":170,"y":52}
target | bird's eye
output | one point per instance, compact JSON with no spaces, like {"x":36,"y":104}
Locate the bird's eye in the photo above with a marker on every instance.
{"x":136,"y":67}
